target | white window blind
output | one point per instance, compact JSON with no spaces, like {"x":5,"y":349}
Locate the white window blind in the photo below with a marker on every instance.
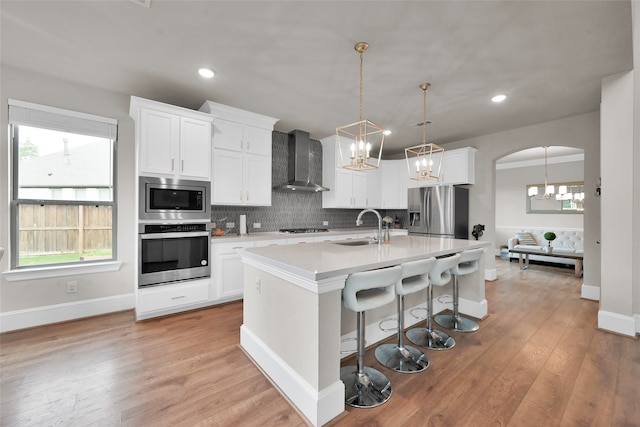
{"x":41,"y":116}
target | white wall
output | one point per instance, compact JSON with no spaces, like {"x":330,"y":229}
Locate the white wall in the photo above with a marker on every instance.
{"x":113,"y":289}
{"x":581,"y":131}
{"x":511,"y":212}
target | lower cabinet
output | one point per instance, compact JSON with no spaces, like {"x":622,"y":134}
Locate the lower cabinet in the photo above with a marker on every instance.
{"x":227,"y":279}
{"x":156,"y":301}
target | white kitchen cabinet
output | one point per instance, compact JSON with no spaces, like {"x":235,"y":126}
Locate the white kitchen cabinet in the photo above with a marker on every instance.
{"x":172,"y":142}
{"x":227,"y":281}
{"x":395,"y":181}
{"x":166,"y":299}
{"x":374,"y":187}
{"x":458,"y":167}
{"x":241,"y":156}
{"x":347,"y":188}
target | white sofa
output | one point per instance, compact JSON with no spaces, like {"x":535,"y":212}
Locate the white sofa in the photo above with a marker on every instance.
{"x":566,"y":242}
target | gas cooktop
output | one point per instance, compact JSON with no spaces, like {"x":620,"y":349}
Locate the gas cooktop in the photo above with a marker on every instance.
{"x":303,"y":230}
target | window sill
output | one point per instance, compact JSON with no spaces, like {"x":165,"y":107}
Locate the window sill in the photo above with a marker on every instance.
{"x":60,"y":271}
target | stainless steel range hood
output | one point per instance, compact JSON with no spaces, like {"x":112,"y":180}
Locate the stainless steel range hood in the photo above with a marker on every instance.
{"x":299,"y":162}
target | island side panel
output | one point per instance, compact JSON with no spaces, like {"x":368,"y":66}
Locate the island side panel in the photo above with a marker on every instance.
{"x":301,"y":327}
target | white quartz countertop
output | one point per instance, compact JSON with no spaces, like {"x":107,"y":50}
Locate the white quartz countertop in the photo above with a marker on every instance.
{"x":321,"y":260}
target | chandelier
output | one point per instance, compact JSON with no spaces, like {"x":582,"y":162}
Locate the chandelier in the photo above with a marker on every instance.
{"x":424,"y":161}
{"x":549,"y":190}
{"x":363,"y":138}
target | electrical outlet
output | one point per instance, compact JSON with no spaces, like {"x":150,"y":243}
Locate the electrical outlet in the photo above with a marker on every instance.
{"x":231,"y":225}
{"x":72,"y":287}
{"x":325,"y":222}
{"x":257,"y":225}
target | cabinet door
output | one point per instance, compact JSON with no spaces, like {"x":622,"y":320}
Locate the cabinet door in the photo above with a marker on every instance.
{"x":231,"y":271}
{"x":257,"y":183}
{"x":227,"y":135}
{"x":257,"y":140}
{"x":359,"y":190}
{"x":159,"y":136}
{"x":455,"y":169}
{"x":374,"y":188}
{"x":226,"y":186}
{"x":195,"y":149}
{"x":343,"y":188}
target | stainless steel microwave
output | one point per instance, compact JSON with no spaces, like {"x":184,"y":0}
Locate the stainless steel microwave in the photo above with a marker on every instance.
{"x":174,"y":199}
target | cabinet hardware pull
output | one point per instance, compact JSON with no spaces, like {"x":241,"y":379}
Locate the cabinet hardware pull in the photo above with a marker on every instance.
{"x":181,"y":166}
{"x":240,"y":144}
{"x":237,"y":247}
{"x":178,"y":297}
{"x":240,"y":194}
{"x":172,"y":164}
{"x":247,"y":195}
{"x":248,"y":145}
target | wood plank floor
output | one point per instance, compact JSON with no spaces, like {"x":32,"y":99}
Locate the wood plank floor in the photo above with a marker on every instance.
{"x":537,"y":360}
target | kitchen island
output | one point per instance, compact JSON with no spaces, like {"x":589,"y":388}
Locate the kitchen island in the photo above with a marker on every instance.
{"x":292,"y":310}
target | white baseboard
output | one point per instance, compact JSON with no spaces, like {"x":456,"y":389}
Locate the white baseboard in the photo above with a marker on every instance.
{"x":373,"y":332}
{"x":28,"y":318}
{"x":614,"y":322}
{"x":590,"y":292}
{"x":318,"y":407}
{"x":490,"y":274}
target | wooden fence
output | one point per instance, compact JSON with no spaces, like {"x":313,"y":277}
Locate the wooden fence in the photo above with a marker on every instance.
{"x":64,"y":229}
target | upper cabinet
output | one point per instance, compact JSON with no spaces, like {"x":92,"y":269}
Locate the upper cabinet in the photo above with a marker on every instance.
{"x":458,"y":167}
{"x":395,"y":181}
{"x":347,"y":188}
{"x":241,"y":156}
{"x":172,"y":142}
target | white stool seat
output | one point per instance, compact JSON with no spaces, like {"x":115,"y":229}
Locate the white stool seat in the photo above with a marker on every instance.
{"x":366,"y":387}
{"x":467,"y":264}
{"x":401,"y":358}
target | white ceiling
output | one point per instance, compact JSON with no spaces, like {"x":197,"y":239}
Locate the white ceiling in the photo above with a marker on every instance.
{"x":294,"y":60}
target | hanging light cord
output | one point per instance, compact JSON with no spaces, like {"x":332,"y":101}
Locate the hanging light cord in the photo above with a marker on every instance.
{"x":424,"y":114}
{"x":546,"y":195}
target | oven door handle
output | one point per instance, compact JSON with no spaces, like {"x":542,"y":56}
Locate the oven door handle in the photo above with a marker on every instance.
{"x":147,"y":236}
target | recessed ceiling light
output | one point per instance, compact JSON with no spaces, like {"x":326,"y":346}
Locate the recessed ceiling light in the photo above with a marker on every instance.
{"x":499,"y":98}
{"x":207,"y":73}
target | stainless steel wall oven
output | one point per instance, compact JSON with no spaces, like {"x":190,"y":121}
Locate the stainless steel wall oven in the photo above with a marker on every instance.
{"x":171,"y":252}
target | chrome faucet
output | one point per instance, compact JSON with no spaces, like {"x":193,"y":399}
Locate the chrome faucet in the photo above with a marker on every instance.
{"x":359,"y":223}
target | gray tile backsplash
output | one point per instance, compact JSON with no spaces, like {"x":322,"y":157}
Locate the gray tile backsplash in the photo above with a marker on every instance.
{"x":295,"y":210}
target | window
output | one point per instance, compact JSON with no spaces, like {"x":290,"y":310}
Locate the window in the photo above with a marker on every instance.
{"x":63,"y":209}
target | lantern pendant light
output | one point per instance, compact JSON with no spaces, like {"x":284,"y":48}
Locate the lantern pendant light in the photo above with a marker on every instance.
{"x":424,"y":161}
{"x":360,"y":141}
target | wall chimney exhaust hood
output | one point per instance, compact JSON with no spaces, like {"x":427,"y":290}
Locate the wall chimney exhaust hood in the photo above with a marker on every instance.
{"x":299,"y":164}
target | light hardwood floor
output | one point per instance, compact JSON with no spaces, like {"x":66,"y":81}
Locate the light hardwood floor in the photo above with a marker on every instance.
{"x":537,"y":360}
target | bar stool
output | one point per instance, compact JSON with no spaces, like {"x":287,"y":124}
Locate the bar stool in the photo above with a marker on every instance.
{"x":469,"y":261}
{"x":399,"y":357}
{"x":366,"y":387}
{"x":428,"y":337}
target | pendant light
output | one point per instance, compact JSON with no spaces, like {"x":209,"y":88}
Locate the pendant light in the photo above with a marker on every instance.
{"x":424,"y":161}
{"x":549,"y":190}
{"x":362,"y":139}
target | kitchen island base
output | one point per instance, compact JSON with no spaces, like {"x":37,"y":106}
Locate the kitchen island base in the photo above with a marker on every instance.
{"x":292,"y":311}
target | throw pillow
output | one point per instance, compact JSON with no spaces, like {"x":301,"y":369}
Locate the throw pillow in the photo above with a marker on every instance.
{"x":525,"y":239}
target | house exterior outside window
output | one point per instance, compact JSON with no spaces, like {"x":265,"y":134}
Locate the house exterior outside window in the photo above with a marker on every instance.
{"x":63,"y":186}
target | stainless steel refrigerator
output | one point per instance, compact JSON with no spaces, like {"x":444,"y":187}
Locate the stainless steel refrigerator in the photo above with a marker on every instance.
{"x":441,"y":211}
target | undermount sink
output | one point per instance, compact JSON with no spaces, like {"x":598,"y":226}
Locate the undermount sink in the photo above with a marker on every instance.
{"x":354,"y":242}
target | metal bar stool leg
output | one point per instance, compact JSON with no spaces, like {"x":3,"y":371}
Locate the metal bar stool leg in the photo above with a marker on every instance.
{"x":429,"y":337}
{"x":455,"y":321}
{"x":365,"y":387}
{"x":399,"y":357}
